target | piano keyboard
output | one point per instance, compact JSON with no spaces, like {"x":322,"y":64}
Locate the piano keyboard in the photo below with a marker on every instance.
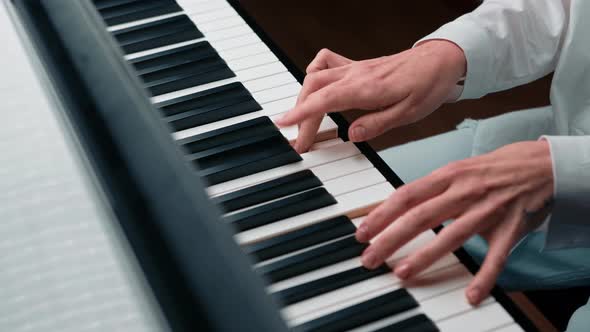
{"x":219,"y":88}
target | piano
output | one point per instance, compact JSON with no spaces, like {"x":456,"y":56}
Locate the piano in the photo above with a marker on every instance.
{"x":145,"y":186}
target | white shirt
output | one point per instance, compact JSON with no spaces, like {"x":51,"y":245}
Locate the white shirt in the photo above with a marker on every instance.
{"x":512,"y":42}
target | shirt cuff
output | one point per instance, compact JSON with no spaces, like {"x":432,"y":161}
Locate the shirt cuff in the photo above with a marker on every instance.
{"x":569,"y":226}
{"x":474,"y":42}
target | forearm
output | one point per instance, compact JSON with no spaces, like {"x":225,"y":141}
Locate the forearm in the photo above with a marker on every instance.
{"x":507,"y":42}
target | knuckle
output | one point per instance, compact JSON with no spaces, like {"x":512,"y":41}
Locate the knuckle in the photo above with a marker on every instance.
{"x":323,"y":53}
{"x":404,"y":196}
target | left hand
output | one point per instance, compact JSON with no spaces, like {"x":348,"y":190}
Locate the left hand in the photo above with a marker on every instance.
{"x":495,"y":195}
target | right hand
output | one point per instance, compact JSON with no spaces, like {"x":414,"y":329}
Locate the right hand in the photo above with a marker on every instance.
{"x":402,"y":88}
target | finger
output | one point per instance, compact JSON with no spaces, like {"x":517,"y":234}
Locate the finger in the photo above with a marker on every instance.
{"x":401,"y":201}
{"x":326,"y":59}
{"x":307,"y":132}
{"x":318,"y":80}
{"x":447,"y":240}
{"x":417,"y":220}
{"x":332,"y":98}
{"x":374,"y":124}
{"x":499,"y":249}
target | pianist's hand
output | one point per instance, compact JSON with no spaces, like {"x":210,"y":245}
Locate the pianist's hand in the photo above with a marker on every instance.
{"x":403,"y":88}
{"x":501,"y":196}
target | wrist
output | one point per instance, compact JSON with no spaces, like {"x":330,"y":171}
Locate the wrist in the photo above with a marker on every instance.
{"x":449,"y":55}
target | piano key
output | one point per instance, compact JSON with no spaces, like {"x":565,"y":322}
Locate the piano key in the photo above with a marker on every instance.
{"x":212,"y":113}
{"x":242,"y":76}
{"x":324,"y":255}
{"x":482,"y":318}
{"x":228,"y":135}
{"x":173,"y":57}
{"x":416,"y":323}
{"x":156,"y":34}
{"x":412,"y":246}
{"x":130,"y":11}
{"x":214,"y":155}
{"x":202,"y":7}
{"x":310,"y":160}
{"x":283,"y":208}
{"x":207,"y":25}
{"x":327,"y":284}
{"x":252,"y":61}
{"x":303,"y":238}
{"x":245,"y":51}
{"x":264,"y":155}
{"x":448,"y":304}
{"x":456,"y":276}
{"x":394,"y":302}
{"x":267,"y":191}
{"x":219,"y":97}
{"x":510,"y":328}
{"x":353,"y":204}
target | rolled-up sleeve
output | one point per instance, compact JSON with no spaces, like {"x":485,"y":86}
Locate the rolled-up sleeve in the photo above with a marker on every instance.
{"x":506,"y":42}
{"x":569,"y":224}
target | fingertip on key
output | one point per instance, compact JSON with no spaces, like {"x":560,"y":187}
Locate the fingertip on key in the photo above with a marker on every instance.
{"x":362,"y":233}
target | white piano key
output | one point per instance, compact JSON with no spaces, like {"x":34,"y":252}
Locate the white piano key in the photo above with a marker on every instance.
{"x":345,"y":297}
{"x":252,"y":61}
{"x":354,"y":181}
{"x":136,"y":55}
{"x":265,"y":70}
{"x":203,"y":7}
{"x":214,"y":15}
{"x":281,"y":105}
{"x":342,"y":167}
{"x":280,"y":92}
{"x":510,"y":328}
{"x":480,"y":319}
{"x":449,"y":304}
{"x":411,"y":246}
{"x":310,"y":160}
{"x":328,"y":130}
{"x":244,"y":51}
{"x":325,"y":144}
{"x":269,"y":82}
{"x":227,"y":33}
{"x":220,"y":24}
{"x":235,"y":42}
{"x":353,"y":204}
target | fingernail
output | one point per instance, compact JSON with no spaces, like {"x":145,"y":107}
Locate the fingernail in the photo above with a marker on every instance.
{"x":473,"y":295}
{"x":281,"y":120}
{"x":358,"y":133}
{"x":402,"y":271}
{"x":362,"y":233}
{"x":369,"y":259}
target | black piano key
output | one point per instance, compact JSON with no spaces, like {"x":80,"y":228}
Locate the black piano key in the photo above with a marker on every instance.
{"x":208,"y":106}
{"x":267,"y":191}
{"x":103,"y":4}
{"x":214,"y":72}
{"x":174,"y":57}
{"x":229,"y":134}
{"x":313,"y":259}
{"x":302,"y":238}
{"x":228,"y":94}
{"x":280,"y":209}
{"x":418,"y":323}
{"x":392,"y":303}
{"x":327,"y":284}
{"x":133,"y":10}
{"x":270,"y":158}
{"x":211,"y":114}
{"x":215,"y":155}
{"x":183,"y":71}
{"x":157,"y":34}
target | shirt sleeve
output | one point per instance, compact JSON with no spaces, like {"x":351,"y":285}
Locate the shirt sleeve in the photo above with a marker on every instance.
{"x":507,"y":42}
{"x":569,"y":226}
